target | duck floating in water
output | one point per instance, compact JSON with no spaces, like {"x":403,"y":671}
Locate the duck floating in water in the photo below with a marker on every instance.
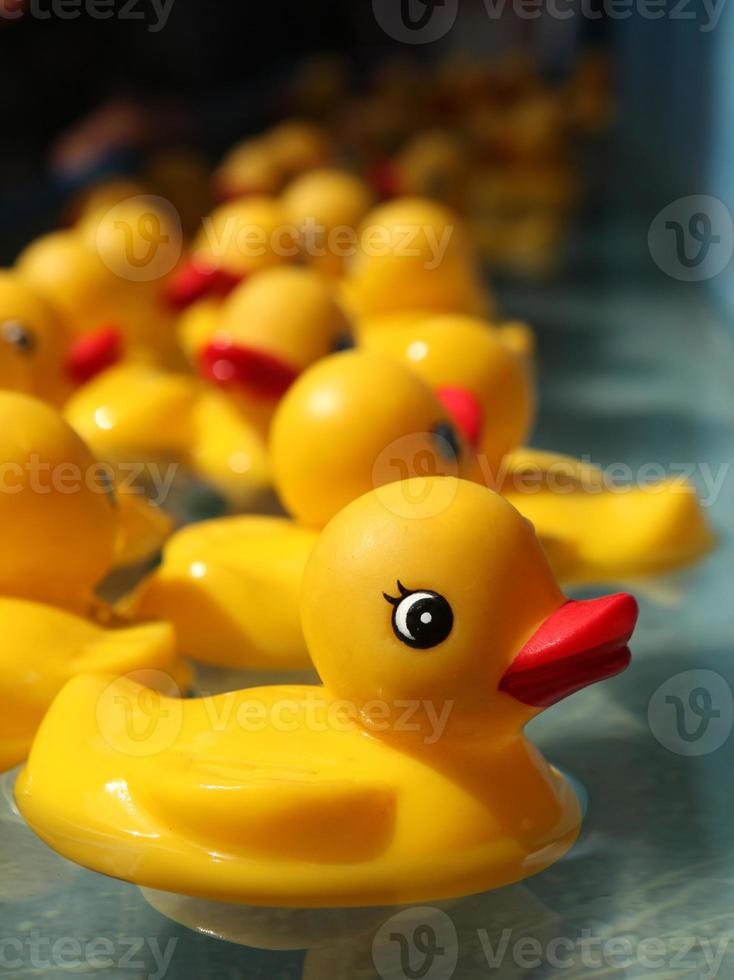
{"x":61,"y":528}
{"x":432,"y":593}
{"x":352,"y":421}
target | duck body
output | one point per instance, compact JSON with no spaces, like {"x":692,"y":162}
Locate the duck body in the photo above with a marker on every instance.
{"x":232,"y":588}
{"x":433,"y":658}
{"x":306,"y":816}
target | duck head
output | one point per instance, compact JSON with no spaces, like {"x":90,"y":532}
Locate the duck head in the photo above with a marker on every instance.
{"x":486,"y":387}
{"x":436,"y":591}
{"x":269,"y":330}
{"x":33,"y":342}
{"x":107,"y":314}
{"x":320,"y":205}
{"x":237,"y":240}
{"x":354,"y":421}
{"x":413,"y":254}
{"x":57,"y":508}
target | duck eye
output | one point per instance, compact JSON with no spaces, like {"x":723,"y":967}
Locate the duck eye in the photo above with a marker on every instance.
{"x":421,"y":619}
{"x":16,"y":333}
{"x":344,"y":341}
{"x":446,"y":440}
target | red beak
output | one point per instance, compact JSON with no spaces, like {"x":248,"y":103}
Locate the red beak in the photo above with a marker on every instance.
{"x":89,"y":355}
{"x":464,"y":410}
{"x":262,"y":374}
{"x":193,"y":281}
{"x":384,"y":179}
{"x":579,"y":644}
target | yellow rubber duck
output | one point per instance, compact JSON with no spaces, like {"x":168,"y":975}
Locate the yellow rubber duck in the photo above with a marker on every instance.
{"x":414,"y":600}
{"x":236,"y":240}
{"x":34,"y":342}
{"x":267,"y":332}
{"x":351,"y":422}
{"x":264,"y":164}
{"x":251,"y":349}
{"x":327,"y":207}
{"x":91,"y":275}
{"x":61,"y":523}
{"x":480,"y":372}
{"x":138,"y":413}
{"x":593,"y":530}
{"x":413,"y":254}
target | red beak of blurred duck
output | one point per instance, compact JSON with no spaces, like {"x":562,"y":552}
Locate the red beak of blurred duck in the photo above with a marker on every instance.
{"x":193,"y":281}
{"x":464,"y":411}
{"x":92,"y":353}
{"x":260,"y":374}
{"x":580,"y":643}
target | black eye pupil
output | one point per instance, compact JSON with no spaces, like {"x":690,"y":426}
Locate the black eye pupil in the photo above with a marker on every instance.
{"x":422,"y":619}
{"x":15,"y":333}
{"x":446,"y":440}
{"x":344,"y":341}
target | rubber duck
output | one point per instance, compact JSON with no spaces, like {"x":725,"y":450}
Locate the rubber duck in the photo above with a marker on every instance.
{"x":268,"y":331}
{"x":236,"y":240}
{"x":353,"y":421}
{"x":327,"y":207}
{"x":34,"y":342}
{"x":593,"y":531}
{"x":480,"y":372}
{"x":248,"y":350}
{"x":61,"y":525}
{"x":433,"y":164}
{"x":139,"y":413}
{"x":264,"y":164}
{"x":413,"y":254}
{"x":309,"y":796}
{"x":88,"y":273}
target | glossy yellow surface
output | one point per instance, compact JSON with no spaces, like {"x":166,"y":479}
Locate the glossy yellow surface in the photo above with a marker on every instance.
{"x":308,"y":796}
{"x":142,"y":414}
{"x":352,"y":422}
{"x":414,"y":255}
{"x":33,"y":342}
{"x":51,"y":519}
{"x":63,"y":528}
{"x":605,"y":531}
{"x":231,"y":586}
{"x":42,"y":647}
{"x":453,"y":350}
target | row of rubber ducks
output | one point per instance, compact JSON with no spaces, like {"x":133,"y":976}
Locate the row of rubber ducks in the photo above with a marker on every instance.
{"x":493,"y":139}
{"x":412,"y":566}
